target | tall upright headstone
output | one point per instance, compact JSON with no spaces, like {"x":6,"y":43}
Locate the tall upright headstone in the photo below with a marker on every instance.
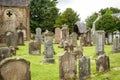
{"x":67,"y":64}
{"x":57,"y":35}
{"x":38,"y":36}
{"x":15,"y":69}
{"x":110,"y":39}
{"x":84,"y":68}
{"x":100,"y":41}
{"x":48,"y":35}
{"x":64,"y":35}
{"x":20,"y":38}
{"x":102,"y":63}
{"x":48,"y":52}
{"x":73,"y":39}
{"x":116,"y":42}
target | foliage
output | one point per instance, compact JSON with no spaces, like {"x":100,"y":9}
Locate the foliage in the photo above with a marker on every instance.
{"x":68,"y":17}
{"x":41,"y":71}
{"x":91,"y":19}
{"x":43,"y":14}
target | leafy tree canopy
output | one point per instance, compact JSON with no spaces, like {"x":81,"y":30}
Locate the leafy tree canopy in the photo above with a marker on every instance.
{"x":68,"y":17}
{"x":43,"y":14}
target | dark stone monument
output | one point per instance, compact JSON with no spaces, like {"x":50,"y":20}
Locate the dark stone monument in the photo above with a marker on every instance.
{"x":99,"y":42}
{"x":15,"y":69}
{"x":116,"y":42}
{"x":5,"y":52}
{"x":102,"y":63}
{"x":73,"y":38}
{"x":35,"y":48}
{"x":67,"y":64}
{"x":48,"y":52}
{"x":84,"y":68}
{"x":20,"y":38}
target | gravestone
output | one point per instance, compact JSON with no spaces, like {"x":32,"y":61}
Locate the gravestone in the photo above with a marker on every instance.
{"x":116,"y":42}
{"x":110,"y":41}
{"x":48,"y":52}
{"x":38,"y":35}
{"x":3,"y":40}
{"x":20,"y":38}
{"x":100,"y":41}
{"x":64,"y":35}
{"x":84,"y":68}
{"x":35,"y":48}
{"x":67,"y":65}
{"x":48,"y":35}
{"x":102,"y":63}
{"x":15,"y":69}
{"x":57,"y":35}
{"x":73,"y":38}
{"x":5,"y":52}
{"x":78,"y":52}
{"x":11,"y":39}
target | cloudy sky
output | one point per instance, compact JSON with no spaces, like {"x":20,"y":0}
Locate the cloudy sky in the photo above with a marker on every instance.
{"x":86,"y":7}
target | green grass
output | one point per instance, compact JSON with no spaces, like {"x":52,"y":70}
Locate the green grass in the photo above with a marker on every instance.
{"x":47,"y":71}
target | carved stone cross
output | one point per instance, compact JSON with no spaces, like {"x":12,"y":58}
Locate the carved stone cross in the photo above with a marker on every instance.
{"x":9,"y":13}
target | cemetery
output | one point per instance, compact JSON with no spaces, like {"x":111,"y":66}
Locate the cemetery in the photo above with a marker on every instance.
{"x":30,"y":50}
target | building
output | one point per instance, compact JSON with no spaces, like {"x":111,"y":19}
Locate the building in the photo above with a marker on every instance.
{"x":12,"y":14}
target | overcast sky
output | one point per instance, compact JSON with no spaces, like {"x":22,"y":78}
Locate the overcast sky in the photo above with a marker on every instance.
{"x":86,"y":7}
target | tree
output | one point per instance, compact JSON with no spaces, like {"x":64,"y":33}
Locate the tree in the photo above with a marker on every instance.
{"x":43,"y":14}
{"x":91,"y":19}
{"x":106,"y":23}
{"x":68,"y":17}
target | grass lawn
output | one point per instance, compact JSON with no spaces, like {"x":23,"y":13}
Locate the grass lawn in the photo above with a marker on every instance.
{"x":41,"y":71}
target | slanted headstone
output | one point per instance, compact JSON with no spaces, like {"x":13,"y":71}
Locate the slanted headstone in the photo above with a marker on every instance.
{"x":102,"y":63}
{"x":57,"y":35}
{"x":5,"y":52}
{"x":11,"y":39}
{"x":20,"y":38}
{"x":73,"y":39}
{"x":67,"y":65}
{"x":35,"y":48}
{"x":48,"y":52}
{"x":38,"y":35}
{"x":100,"y":41}
{"x":84,"y":68}
{"x":64,"y":35}
{"x":15,"y":69}
{"x":116,"y":42}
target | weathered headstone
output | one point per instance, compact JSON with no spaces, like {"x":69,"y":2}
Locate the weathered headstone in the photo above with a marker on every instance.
{"x":64,"y":35}
{"x":5,"y":52}
{"x":48,"y":52}
{"x":3,"y":40}
{"x":35,"y":48}
{"x":84,"y":68}
{"x":67,"y":65}
{"x":15,"y":69}
{"x":110,"y":40}
{"x":116,"y":42}
{"x":102,"y":63}
{"x":73,"y":39}
{"x":48,"y":35}
{"x":78,"y":52}
{"x":11,"y":39}
{"x":38,"y":35}
{"x":57,"y":35}
{"x":20,"y":38}
{"x":100,"y":41}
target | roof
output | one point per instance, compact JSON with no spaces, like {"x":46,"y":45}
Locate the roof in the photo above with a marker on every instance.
{"x":15,"y":3}
{"x":81,"y":27}
{"x":116,"y":15}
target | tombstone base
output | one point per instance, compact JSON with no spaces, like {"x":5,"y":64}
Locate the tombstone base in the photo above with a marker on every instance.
{"x":49,"y":60}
